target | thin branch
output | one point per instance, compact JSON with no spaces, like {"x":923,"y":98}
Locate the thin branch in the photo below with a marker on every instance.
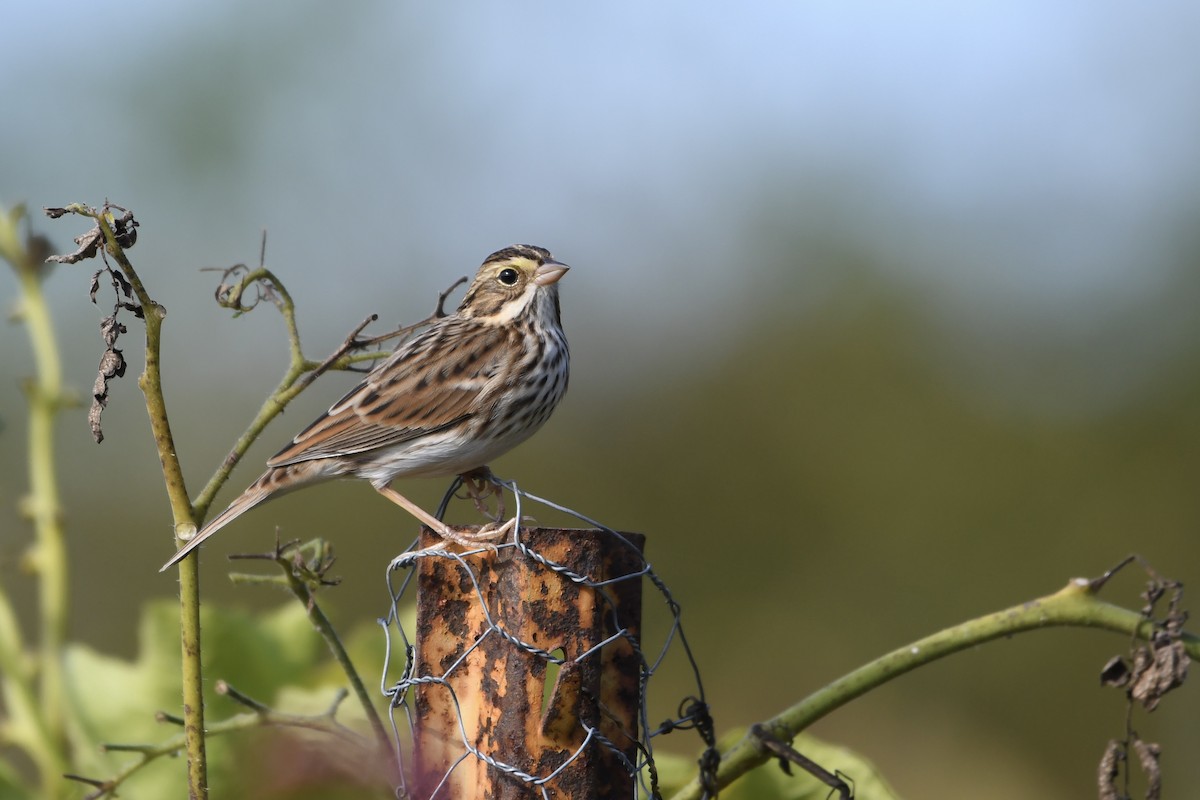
{"x":788,"y":755}
{"x":150,"y":382}
{"x":302,"y":578}
{"x":259,"y":716}
{"x":338,"y":356}
{"x":301,"y":372}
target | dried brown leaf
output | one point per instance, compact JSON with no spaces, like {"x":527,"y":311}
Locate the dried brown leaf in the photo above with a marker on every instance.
{"x":1148,"y":753}
{"x":1110,"y":770}
{"x":1158,"y":670}
{"x":112,"y":365}
{"x":89,"y":245}
{"x":1115,"y":673}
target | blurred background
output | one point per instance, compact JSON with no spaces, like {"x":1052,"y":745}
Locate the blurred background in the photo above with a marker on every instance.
{"x":881,"y":318}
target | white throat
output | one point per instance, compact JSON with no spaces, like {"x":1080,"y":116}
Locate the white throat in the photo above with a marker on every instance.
{"x":512,"y":310}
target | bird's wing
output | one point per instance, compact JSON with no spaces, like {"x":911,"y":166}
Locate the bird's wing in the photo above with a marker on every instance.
{"x":433,"y":382}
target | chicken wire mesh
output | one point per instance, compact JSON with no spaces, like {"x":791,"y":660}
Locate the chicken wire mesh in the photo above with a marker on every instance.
{"x":596,"y":668}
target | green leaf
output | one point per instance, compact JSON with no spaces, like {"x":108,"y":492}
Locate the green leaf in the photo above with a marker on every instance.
{"x":11,"y":785}
{"x":770,"y":781}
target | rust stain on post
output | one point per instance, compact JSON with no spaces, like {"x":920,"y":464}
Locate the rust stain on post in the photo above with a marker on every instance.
{"x":500,"y":686}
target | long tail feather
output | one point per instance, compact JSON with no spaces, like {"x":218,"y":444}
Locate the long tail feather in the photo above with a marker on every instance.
{"x":270,"y":485}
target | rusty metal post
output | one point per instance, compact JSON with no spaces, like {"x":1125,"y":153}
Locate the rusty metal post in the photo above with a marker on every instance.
{"x":500,"y":685}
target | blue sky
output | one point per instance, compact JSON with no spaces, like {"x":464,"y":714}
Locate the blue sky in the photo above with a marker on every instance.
{"x":1023,"y":167}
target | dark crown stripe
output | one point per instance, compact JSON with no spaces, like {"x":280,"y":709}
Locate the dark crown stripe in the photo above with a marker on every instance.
{"x":538,"y":254}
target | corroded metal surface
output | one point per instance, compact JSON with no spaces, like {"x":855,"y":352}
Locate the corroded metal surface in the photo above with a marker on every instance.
{"x":465,"y":635}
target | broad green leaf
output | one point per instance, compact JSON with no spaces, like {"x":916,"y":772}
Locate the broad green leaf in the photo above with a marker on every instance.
{"x":266,"y":655}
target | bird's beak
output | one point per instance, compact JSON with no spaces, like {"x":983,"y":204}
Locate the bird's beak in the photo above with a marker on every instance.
{"x":549,"y":273}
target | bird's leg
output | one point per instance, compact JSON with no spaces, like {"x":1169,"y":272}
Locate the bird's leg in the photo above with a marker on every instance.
{"x":480,"y":486}
{"x":440,"y":528}
{"x":435,"y":524}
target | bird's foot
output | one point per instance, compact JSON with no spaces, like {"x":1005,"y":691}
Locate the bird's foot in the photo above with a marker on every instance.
{"x":480,"y":487}
{"x":486,"y":537}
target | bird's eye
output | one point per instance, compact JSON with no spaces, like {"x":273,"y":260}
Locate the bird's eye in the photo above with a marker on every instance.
{"x":508,"y":276}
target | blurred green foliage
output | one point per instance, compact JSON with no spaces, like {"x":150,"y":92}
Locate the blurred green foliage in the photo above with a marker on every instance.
{"x":274,"y":657}
{"x":819,"y":492}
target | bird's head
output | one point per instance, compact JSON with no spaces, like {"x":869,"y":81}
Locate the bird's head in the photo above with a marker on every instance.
{"x":512,"y":282}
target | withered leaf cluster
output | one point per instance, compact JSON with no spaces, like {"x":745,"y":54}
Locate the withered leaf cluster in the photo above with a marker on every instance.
{"x":112,"y":365}
{"x":1150,"y":671}
{"x":1160,"y":665}
{"x":1157,"y":668}
{"x":1113,"y":762}
{"x":124,"y":229}
{"x":112,"y":361}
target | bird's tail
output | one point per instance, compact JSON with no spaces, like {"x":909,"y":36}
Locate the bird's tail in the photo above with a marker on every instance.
{"x":270,"y":484}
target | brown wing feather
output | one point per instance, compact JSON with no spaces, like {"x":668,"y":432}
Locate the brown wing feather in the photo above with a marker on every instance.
{"x":432,"y":382}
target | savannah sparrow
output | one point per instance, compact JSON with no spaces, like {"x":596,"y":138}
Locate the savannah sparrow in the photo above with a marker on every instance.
{"x":469,"y":388}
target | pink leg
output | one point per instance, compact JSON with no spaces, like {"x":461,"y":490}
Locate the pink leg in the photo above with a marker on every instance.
{"x":440,"y":528}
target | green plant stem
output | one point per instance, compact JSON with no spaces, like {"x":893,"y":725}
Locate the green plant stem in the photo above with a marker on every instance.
{"x":50,"y":558}
{"x":26,"y":725}
{"x":193,"y":678}
{"x":45,"y":715}
{"x":150,"y":382}
{"x":319,"y":621}
{"x":188,"y":514}
{"x":1076,"y":605}
{"x":273,"y":407}
{"x":300,"y":374}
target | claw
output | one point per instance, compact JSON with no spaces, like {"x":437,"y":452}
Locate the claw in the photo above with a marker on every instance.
{"x":481,"y":487}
